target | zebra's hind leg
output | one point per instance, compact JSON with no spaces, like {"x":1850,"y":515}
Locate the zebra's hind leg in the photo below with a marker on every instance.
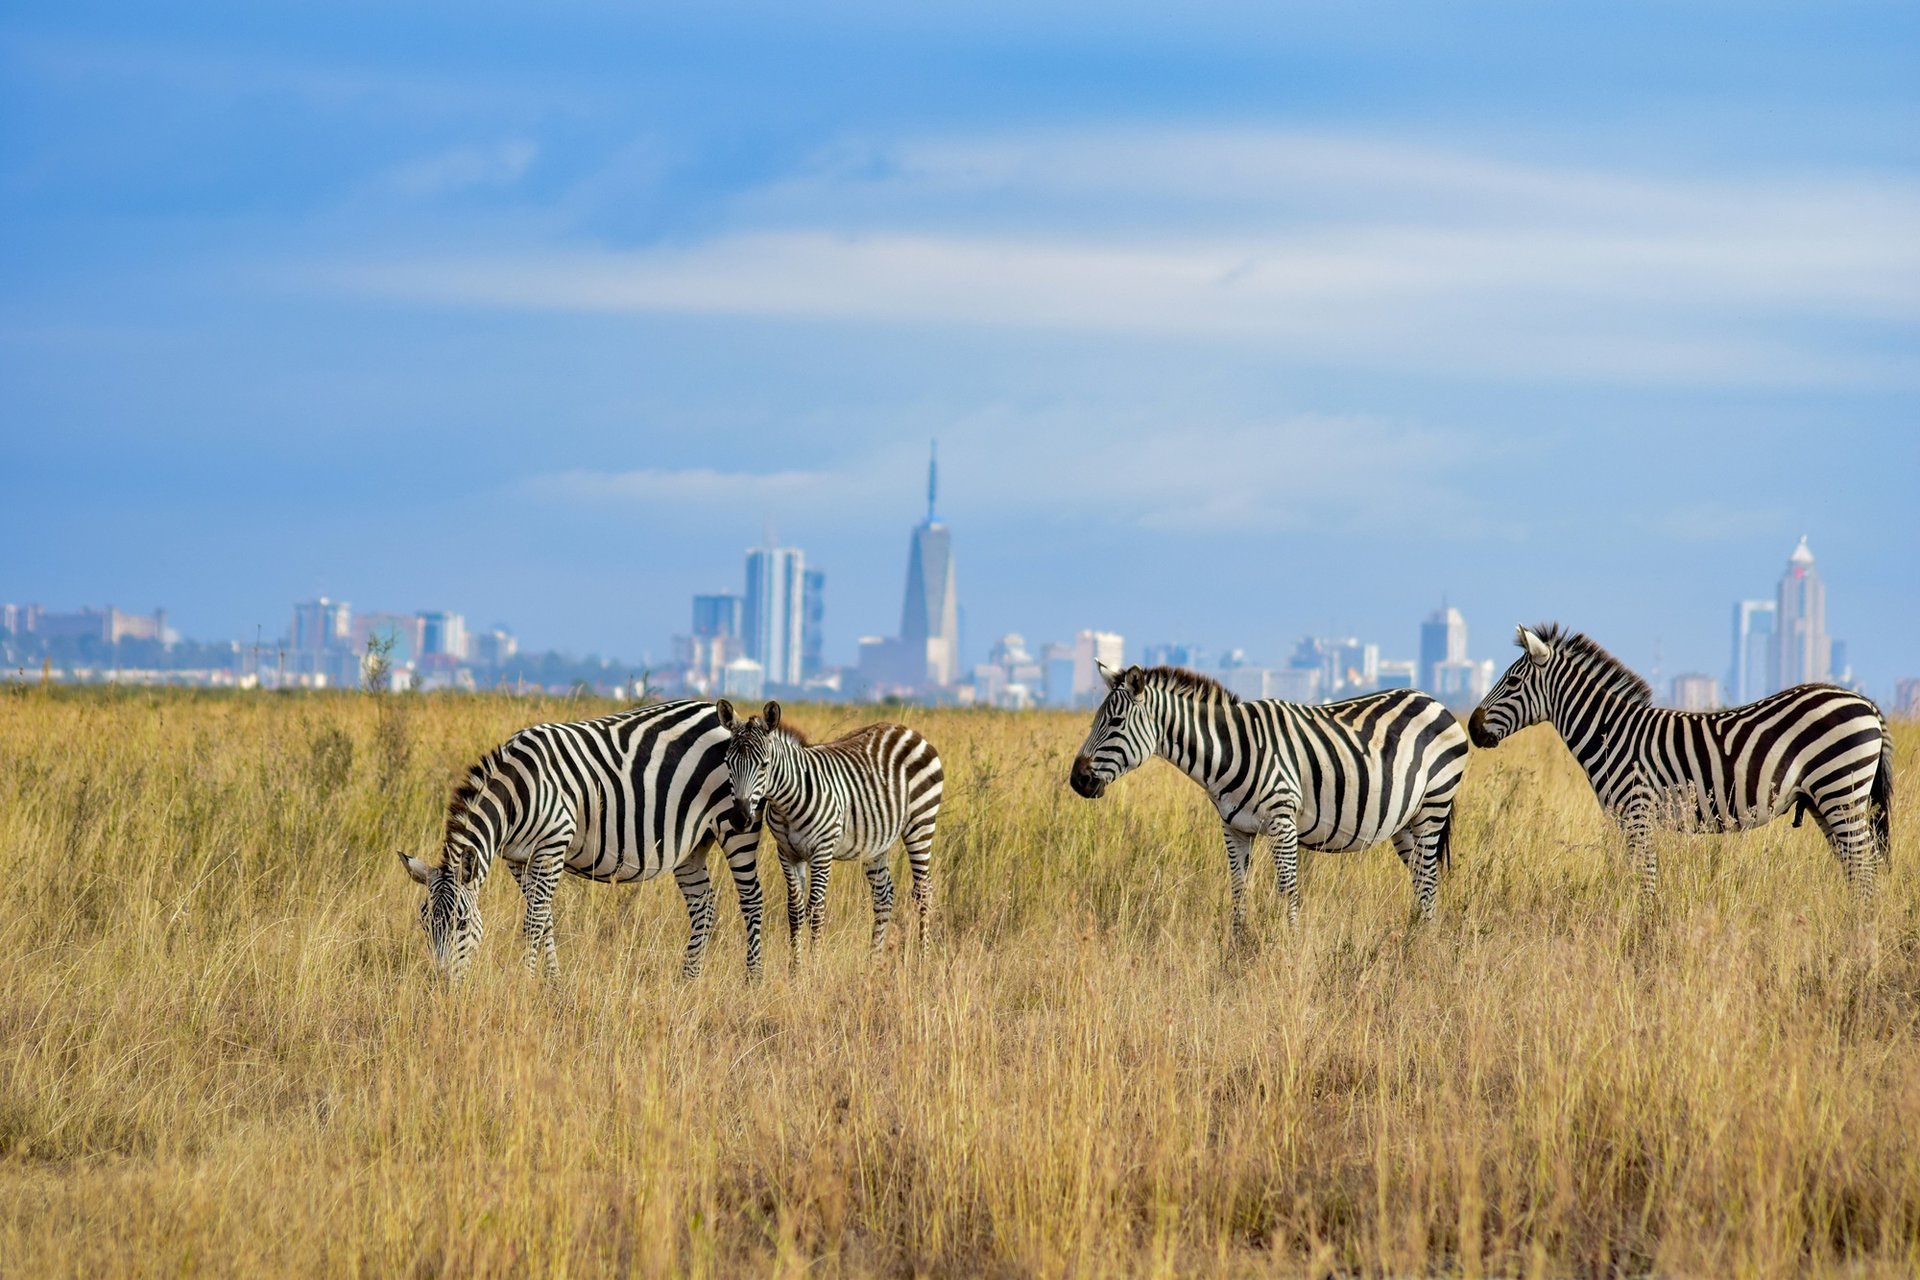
{"x":880,"y":880}
{"x":697,"y":889}
{"x":919,"y":842}
{"x":795,"y":874}
{"x":1850,"y":831}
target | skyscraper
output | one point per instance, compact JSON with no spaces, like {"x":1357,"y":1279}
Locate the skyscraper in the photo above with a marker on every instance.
{"x":774,"y":611}
{"x":320,"y":625}
{"x":1443,"y":639}
{"x":716,"y":615}
{"x":930,"y":616}
{"x":1802,"y":651}
{"x":813,"y":617}
{"x":1751,"y":672}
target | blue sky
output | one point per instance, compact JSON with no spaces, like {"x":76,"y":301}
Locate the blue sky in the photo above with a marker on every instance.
{"x":1233,"y":323}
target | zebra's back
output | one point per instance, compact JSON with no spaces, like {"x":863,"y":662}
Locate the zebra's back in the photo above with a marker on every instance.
{"x":883,"y":779}
{"x":643,"y":787}
{"x":1366,"y":767}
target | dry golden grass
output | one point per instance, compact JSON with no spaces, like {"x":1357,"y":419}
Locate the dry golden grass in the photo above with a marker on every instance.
{"x":219,"y":1050}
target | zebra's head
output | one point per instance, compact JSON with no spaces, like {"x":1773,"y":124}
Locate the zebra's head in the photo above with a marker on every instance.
{"x":450,"y":916}
{"x":749,"y":757}
{"x":1520,"y":698}
{"x":1124,"y":734}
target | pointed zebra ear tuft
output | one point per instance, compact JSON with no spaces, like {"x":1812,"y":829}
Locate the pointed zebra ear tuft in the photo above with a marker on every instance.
{"x":1107,"y":673}
{"x":771,"y":714}
{"x":1537,"y":649}
{"x":1136,"y":680}
{"x":725,"y":709}
{"x":415,"y":868}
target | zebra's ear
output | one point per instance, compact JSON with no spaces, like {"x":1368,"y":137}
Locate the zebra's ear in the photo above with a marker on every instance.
{"x":415,"y":868}
{"x":1106,"y":673}
{"x":1136,"y":680}
{"x":771,"y":714}
{"x":1537,"y":649}
{"x":725,"y":709}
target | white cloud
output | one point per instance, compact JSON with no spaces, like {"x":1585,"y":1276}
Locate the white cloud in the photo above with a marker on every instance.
{"x":1321,"y":249}
{"x":499,"y":164}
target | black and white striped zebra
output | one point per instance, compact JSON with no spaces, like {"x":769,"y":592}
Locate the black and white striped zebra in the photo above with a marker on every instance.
{"x":616,"y":799}
{"x":1337,"y":778}
{"x":1817,"y":747}
{"x":848,"y":800}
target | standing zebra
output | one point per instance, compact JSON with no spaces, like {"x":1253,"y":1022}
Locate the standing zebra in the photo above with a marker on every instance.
{"x":616,"y":799}
{"x":848,"y":799}
{"x":1819,"y":747}
{"x":1337,"y":778}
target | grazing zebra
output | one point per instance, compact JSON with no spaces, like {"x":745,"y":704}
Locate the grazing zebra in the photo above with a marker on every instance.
{"x":616,"y":799}
{"x":1817,"y":747}
{"x":1339,"y":777}
{"x":848,"y":799}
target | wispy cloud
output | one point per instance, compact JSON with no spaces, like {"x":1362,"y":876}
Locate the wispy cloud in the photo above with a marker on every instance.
{"x":499,"y":164}
{"x":1327,"y":250}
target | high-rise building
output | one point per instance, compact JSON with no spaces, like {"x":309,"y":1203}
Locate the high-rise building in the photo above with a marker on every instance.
{"x":1443,"y":639}
{"x":930,"y":615}
{"x":774,"y":611}
{"x":1092,"y":651}
{"x":321,"y":626}
{"x":1750,"y":675}
{"x":1694,"y":691}
{"x":1192,"y":657}
{"x":443,"y":636}
{"x":716,"y":615}
{"x":1801,"y":644}
{"x":813,"y":618}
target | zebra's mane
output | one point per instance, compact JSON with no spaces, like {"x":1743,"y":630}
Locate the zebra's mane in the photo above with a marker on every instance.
{"x":1181,"y":680}
{"x":787,"y":729}
{"x":460,"y":805}
{"x":1619,"y":678}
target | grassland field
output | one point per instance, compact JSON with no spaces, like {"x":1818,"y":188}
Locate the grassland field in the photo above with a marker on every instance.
{"x":221,"y":1053}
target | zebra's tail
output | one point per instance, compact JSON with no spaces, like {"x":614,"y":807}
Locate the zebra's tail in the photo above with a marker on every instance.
{"x":1881,"y":803}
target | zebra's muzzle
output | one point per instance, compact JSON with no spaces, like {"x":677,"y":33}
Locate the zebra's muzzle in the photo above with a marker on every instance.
{"x":1477,"y":730}
{"x":1082,"y":780}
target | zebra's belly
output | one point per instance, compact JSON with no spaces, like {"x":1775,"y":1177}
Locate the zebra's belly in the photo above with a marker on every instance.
{"x":859,"y":840}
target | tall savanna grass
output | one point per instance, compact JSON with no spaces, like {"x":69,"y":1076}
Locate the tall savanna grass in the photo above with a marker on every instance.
{"x":220,"y":1051}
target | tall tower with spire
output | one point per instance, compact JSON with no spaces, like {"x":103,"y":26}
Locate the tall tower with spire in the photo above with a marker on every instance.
{"x":1800,"y":630}
{"x":930,"y":616}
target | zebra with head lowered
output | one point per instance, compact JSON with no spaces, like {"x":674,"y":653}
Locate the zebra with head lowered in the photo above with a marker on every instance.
{"x":1337,"y":778}
{"x":1818,"y":747}
{"x":848,"y":799}
{"x":616,"y":799}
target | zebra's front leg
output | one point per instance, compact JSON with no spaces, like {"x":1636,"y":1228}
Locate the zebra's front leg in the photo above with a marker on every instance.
{"x":880,"y":880}
{"x":1239,"y":854}
{"x":538,"y":880}
{"x":820,"y":866}
{"x":742,"y":850}
{"x":1421,"y":854}
{"x":1636,"y":822}
{"x":794,"y":871}
{"x":1286,"y":861}
{"x":697,"y":889}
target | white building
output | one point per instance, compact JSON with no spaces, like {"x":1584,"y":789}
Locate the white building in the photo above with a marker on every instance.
{"x":745,"y":679}
{"x":774,"y":612}
{"x":1093,"y":650}
{"x":1693,"y":691}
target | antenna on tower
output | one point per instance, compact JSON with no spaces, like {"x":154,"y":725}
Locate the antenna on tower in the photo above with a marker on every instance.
{"x":933,"y":476}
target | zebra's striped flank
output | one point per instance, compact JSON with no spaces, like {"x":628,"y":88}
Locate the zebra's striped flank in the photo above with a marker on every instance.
{"x":1339,"y":777}
{"x":1817,"y":747}
{"x":849,"y":800}
{"x":616,"y":799}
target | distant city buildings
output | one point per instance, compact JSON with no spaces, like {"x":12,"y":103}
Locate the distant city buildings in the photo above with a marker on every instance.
{"x":1906,"y":697}
{"x":924,"y":658}
{"x":1694,"y":691}
{"x":1782,"y":642}
{"x":774,"y":615}
{"x":1751,"y":673}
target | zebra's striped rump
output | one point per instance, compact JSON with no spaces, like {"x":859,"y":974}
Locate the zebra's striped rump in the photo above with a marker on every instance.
{"x":846,"y":800}
{"x":1814,"y":748}
{"x":616,"y":799}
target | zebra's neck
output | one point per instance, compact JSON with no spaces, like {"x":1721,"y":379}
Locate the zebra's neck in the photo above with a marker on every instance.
{"x":1188,"y":728}
{"x":787,"y":767}
{"x":1591,"y":719}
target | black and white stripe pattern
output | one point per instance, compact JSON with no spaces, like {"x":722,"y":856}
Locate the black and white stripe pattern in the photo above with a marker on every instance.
{"x":1337,"y":778}
{"x":616,"y":799}
{"x":849,"y":799}
{"x":1821,"y":748}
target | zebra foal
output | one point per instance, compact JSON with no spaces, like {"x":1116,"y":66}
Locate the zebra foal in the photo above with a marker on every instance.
{"x":848,"y":800}
{"x":1339,"y":777}
{"x":616,"y":799}
{"x":1815,"y":747}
